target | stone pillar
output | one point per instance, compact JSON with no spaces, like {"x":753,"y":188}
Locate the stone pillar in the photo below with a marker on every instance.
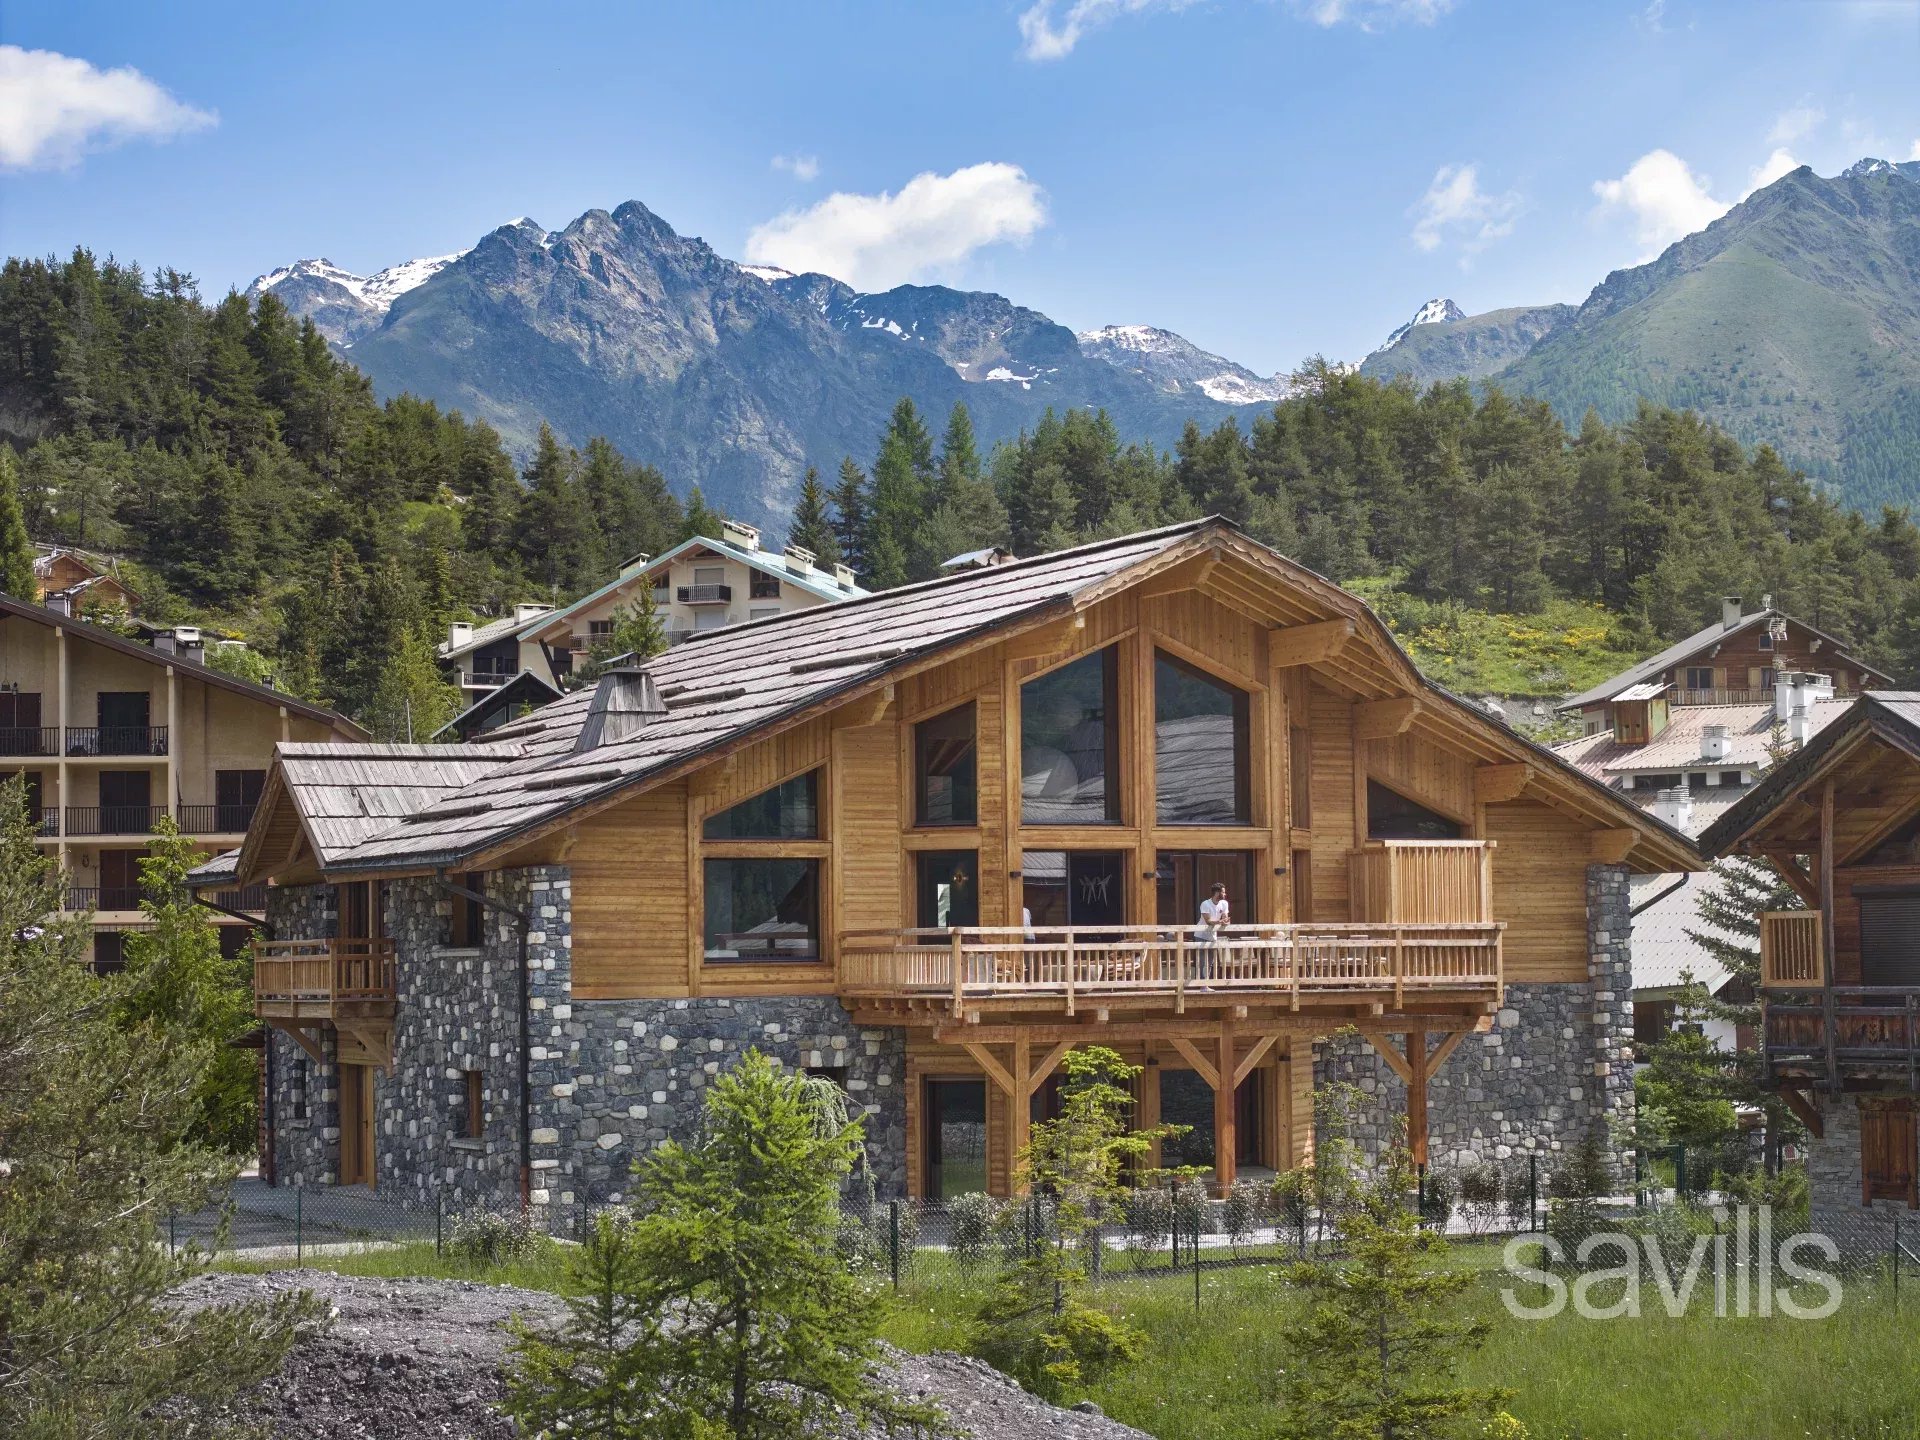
{"x":1610,"y":972}
{"x":304,"y":1097}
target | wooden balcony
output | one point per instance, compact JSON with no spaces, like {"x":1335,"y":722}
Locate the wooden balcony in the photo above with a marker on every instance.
{"x":1423,"y":881}
{"x":1852,"y":1030}
{"x":1790,"y":953}
{"x":323,"y":980}
{"x":1158,"y":967}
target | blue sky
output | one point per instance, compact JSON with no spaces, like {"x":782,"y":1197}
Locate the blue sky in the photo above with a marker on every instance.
{"x":1271,"y":178}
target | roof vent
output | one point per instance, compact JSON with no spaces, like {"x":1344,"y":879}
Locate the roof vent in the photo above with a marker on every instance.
{"x":978,"y":559}
{"x":735,"y":532}
{"x":529,"y":610}
{"x":1674,"y":806}
{"x":843,"y":576}
{"x":799,"y":558}
{"x":1716,"y":742}
{"x":624,"y":703}
{"x":638,"y":562}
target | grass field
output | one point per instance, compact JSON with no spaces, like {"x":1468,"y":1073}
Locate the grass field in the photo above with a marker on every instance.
{"x":1209,"y":1374}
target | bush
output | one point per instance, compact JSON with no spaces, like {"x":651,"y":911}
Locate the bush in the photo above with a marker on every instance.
{"x":972,"y":1222}
{"x":1437,"y":1198}
{"x":493,"y":1237}
{"x":1149,"y":1216}
{"x":1482,"y":1187}
{"x":1243,"y":1211}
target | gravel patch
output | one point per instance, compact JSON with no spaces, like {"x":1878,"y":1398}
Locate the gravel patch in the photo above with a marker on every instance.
{"x":413,"y":1359}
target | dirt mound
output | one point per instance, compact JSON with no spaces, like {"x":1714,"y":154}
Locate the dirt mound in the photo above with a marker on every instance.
{"x":413,"y":1359}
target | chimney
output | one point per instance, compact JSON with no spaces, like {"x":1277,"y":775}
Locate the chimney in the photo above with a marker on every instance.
{"x":1729,"y":612}
{"x":528,"y":610}
{"x":1796,"y":692}
{"x":459,"y":632}
{"x":799,"y":558}
{"x":624,"y":703}
{"x":1674,"y":806}
{"x":638,"y":562}
{"x":843,"y":576}
{"x":60,"y":603}
{"x":1716,"y":742}
{"x":735,"y":532}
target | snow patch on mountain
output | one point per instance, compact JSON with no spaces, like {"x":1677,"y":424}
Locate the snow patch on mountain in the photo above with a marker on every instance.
{"x":1175,"y":363}
{"x":1434,"y":312}
{"x":379,"y":289}
{"x":768,"y":273}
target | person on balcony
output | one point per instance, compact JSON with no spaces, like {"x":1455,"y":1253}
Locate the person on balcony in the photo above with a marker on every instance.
{"x":1215,"y":915}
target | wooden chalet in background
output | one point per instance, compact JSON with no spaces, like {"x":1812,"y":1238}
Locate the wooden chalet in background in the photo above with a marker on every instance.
{"x":1840,"y":979}
{"x":926,"y":840}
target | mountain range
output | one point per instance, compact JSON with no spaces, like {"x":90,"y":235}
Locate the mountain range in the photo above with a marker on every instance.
{"x":1794,"y":319}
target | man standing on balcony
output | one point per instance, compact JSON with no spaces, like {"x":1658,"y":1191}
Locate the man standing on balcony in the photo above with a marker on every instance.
{"x":1214,"y":914}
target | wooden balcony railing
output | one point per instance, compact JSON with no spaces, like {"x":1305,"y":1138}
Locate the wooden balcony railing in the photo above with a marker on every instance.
{"x":1423,"y":881}
{"x":1854,"y":1029}
{"x":322,"y":979}
{"x":1790,"y":956}
{"x":1283,"y":963}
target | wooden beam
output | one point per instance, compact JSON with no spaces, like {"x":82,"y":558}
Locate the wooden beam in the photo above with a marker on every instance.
{"x":1789,"y":868}
{"x":1827,"y":933}
{"x":1255,"y":1054}
{"x":1049,"y":640}
{"x":996,"y":1072}
{"x":1226,"y":1140}
{"x":1383,"y":719}
{"x":1611,"y":847}
{"x":1494,"y":784}
{"x":1308,"y":644}
{"x":1417,"y":1095}
{"x":1020,"y":1102}
{"x":1052,"y":1028}
{"x":1183,"y":577}
{"x":301,"y":1038}
{"x":1389,"y":1052}
{"x":1444,"y":1050}
{"x":1805,"y":1111}
{"x":868,"y":709}
{"x":1048,"y":1063}
{"x":1202,"y":1066}
{"x":1150,"y":1104}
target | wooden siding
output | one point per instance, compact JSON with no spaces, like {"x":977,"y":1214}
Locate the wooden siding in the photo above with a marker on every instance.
{"x":1421,"y":770}
{"x":630,"y":899}
{"x":1540,"y":890}
{"x":869,"y":882}
{"x":1330,"y":725}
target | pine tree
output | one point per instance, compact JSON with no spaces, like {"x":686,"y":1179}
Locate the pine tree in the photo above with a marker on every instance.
{"x":638,"y":634}
{"x":411,"y":702}
{"x":850,"y":516}
{"x":1374,"y":1352}
{"x":811,"y":527}
{"x":700,"y":519}
{"x":959,"y":456}
{"x":723,"y":1299}
{"x":98,"y":1122}
{"x":16,"y":551}
{"x":899,"y":505}
{"x":556,"y":536}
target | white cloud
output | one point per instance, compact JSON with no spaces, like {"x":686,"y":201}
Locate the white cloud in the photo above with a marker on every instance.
{"x":1456,"y":206}
{"x":1042,"y":39}
{"x":1779,"y":163}
{"x":931,"y":223}
{"x":801,"y":167}
{"x":1371,"y":15}
{"x":1664,"y":197}
{"x":1914,"y":153}
{"x":1796,"y":124}
{"x":54,"y":109}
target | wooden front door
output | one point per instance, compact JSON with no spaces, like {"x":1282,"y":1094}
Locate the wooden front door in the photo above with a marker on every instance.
{"x":356,"y":1125}
{"x":1887,"y":1150}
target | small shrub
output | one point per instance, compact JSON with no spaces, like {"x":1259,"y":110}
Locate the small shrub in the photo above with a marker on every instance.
{"x":1437,"y":1197}
{"x":1192,"y":1211}
{"x":1149,"y":1216}
{"x":1482,"y":1188}
{"x":972,"y":1223}
{"x":493,"y":1237}
{"x":1290,"y":1202}
{"x":1521,"y":1201}
{"x":1243,"y":1211}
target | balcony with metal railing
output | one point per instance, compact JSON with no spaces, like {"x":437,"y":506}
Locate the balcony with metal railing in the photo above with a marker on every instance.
{"x":29,"y":739}
{"x":91,"y":820}
{"x":82,"y":898}
{"x":215,"y":819}
{"x":705,"y":594}
{"x":90,"y":741}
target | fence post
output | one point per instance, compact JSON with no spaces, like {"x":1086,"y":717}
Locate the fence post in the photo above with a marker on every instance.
{"x":1420,"y":1215}
{"x":893,"y":1214}
{"x":1896,"y":1262}
{"x":1173,"y":1219}
{"x":299,"y":1259}
{"x":1679,"y":1172}
{"x":439,"y":1224}
{"x":173,"y":1238}
{"x":1533,"y":1190}
{"x":1197,"y":1217}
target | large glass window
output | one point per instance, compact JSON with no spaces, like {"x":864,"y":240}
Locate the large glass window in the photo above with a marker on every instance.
{"x":946,"y":787}
{"x":1073,"y":887}
{"x":1392,"y":816}
{"x":789,"y":811}
{"x":948,"y":882}
{"x":1199,"y":746}
{"x":763,"y":909}
{"x":1183,"y":878}
{"x":1069,"y":720}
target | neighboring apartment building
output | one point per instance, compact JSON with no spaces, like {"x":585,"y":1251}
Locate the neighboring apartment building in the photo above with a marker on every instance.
{"x":925,"y":841}
{"x":700,"y":584}
{"x":1735,"y":662}
{"x":1690,"y":764}
{"x":112,"y":734}
{"x":484,"y":657}
{"x":1840,"y":980}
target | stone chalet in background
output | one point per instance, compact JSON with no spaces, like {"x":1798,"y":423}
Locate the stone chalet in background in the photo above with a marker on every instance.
{"x":700,"y":584}
{"x":924,"y":841}
{"x":1840,"y":980}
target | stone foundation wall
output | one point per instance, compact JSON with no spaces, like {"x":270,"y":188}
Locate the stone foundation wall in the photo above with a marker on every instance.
{"x":303,"y":1095}
{"x":1556,"y":1066}
{"x":1833,"y":1172}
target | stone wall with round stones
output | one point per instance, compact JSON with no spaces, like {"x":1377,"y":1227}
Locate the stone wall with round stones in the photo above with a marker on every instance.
{"x":303,"y":1094}
{"x":1556,"y":1066}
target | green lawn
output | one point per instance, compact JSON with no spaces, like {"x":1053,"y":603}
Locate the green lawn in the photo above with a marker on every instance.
{"x":1209,"y":1374}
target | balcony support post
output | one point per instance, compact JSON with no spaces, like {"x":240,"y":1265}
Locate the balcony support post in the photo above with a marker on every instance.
{"x":1225,"y":1113}
{"x":1020,"y":1134}
{"x":1828,"y":1005}
{"x":1417,"y":1095}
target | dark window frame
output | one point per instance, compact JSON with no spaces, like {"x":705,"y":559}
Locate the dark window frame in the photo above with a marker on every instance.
{"x":809,"y":811}
{"x":814,"y":867}
{"x":475,"y":1126}
{"x":1240,"y":718}
{"x":1112,"y":759}
{"x":926,"y":864}
{"x":925,"y":735}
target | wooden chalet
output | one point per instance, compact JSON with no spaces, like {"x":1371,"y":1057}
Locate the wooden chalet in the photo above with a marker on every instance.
{"x":926,"y":841}
{"x":1840,"y":979}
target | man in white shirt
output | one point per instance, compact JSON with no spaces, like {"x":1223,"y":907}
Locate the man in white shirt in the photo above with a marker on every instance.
{"x":1214,"y":914}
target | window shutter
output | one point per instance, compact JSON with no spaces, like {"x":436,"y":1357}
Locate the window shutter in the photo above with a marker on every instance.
{"x":1887,"y":1151}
